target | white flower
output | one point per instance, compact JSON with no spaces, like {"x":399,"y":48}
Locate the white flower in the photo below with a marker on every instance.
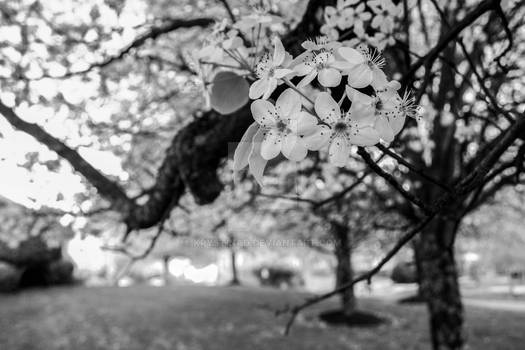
{"x":329,"y":31}
{"x":384,"y":108}
{"x":321,"y":65}
{"x":232,"y":40}
{"x":258,"y":17}
{"x":385,"y":14}
{"x":214,"y":50}
{"x":321,"y":43}
{"x":361,"y":38}
{"x":284,"y":125}
{"x":344,"y":130}
{"x":382,"y":40}
{"x":331,"y":16}
{"x":354,"y":17}
{"x":362,"y":67}
{"x":270,"y":71}
{"x":408,"y":107}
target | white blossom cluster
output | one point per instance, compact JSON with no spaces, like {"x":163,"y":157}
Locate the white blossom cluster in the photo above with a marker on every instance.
{"x":357,"y":16}
{"x":298,"y":122}
{"x":292,"y":128}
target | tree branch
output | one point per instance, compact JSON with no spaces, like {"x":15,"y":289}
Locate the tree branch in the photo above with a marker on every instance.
{"x":433,"y":54}
{"x":140,"y":40}
{"x":106,"y":187}
{"x":391,"y":180}
{"x":465,"y":186}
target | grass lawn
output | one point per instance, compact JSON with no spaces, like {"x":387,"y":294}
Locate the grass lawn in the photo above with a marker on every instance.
{"x":208,"y":318}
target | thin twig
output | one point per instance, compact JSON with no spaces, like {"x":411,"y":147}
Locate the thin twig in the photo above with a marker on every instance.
{"x":412,"y":168}
{"x":391,"y":180}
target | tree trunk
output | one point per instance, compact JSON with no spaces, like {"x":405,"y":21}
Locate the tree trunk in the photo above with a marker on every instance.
{"x":419,"y":272}
{"x":233,"y":255}
{"x":344,"y":271}
{"x":235,"y":277}
{"x":166,"y":269}
{"x":439,"y":283}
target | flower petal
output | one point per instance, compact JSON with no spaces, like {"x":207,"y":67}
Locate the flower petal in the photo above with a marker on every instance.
{"x":272,"y":84}
{"x":302,"y":123}
{"x":351,"y":55}
{"x":305,"y":57}
{"x":244,"y":147}
{"x":256,"y":162}
{"x":366,"y":136}
{"x":279,"y":52}
{"x":384,"y":129}
{"x":357,"y":96}
{"x":360,"y":76}
{"x":258,"y":88}
{"x":361,"y":115}
{"x":379,"y":79}
{"x":282,"y":72}
{"x":293,"y":148}
{"x":303,"y":68}
{"x":326,"y":108}
{"x":342,"y":65}
{"x":264,"y":113}
{"x":339,"y":151}
{"x":307,"y":79}
{"x":329,"y":77}
{"x":318,"y":139}
{"x":271,"y":144}
{"x":396,"y":120}
{"x":288,"y":104}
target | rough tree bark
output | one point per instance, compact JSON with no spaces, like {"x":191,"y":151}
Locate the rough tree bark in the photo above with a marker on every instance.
{"x":439,"y":283}
{"x":344,"y":271}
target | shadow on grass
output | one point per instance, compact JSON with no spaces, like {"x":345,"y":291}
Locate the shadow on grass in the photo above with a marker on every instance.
{"x":355,"y":319}
{"x":412,"y":299}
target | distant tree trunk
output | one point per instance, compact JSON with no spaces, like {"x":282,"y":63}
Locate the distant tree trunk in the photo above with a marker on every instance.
{"x":439,"y":284}
{"x":233,"y":255}
{"x":235,"y":277}
{"x":344,"y":271}
{"x":166,"y":270}
{"x":417,"y":261}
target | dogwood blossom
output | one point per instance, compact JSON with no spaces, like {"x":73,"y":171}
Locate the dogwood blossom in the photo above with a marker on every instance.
{"x":284,"y":125}
{"x":345,"y":129}
{"x":270,"y":70}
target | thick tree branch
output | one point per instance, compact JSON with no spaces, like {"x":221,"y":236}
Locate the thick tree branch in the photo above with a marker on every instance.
{"x":106,"y":187}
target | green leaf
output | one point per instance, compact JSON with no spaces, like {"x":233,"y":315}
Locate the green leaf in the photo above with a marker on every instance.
{"x":229,"y":92}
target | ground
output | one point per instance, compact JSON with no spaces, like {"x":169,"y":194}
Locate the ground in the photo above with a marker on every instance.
{"x":208,"y":318}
